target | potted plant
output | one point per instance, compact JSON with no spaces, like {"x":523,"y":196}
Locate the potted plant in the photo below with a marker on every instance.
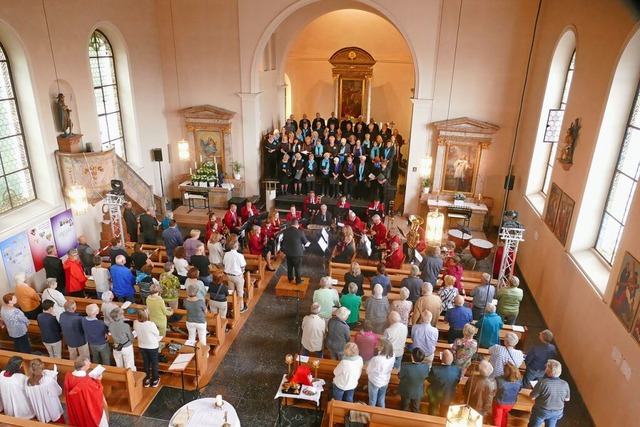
{"x":236,"y":167}
{"x":426,"y":185}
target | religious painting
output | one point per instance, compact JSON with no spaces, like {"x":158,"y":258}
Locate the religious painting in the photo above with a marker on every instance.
{"x":461,"y":167}
{"x":209,"y":144}
{"x":552,"y":206}
{"x":565,"y":211}
{"x":626,"y":298}
{"x":352,"y":92}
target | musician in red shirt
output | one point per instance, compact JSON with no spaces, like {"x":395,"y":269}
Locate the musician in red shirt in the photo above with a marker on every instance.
{"x":232,"y":220}
{"x":376,"y":205}
{"x":392,"y":236}
{"x":395,"y":258}
{"x":311,"y":199}
{"x":247,"y":211}
{"x":355,"y":223}
{"x":213,"y":226}
{"x":258,"y":243}
{"x":293,"y":214}
{"x":378,"y":231}
{"x":343,"y":204}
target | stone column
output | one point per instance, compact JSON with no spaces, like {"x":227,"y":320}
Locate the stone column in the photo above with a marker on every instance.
{"x":251,"y":134}
{"x":419,"y":146}
{"x":368,"y":112}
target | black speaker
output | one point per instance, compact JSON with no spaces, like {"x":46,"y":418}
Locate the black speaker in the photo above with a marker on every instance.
{"x":508,"y":182}
{"x":157,"y":154}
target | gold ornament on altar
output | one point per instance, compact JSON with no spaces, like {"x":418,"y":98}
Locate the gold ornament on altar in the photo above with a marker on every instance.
{"x":413,"y":237}
{"x":315,"y":364}
{"x":288,"y":360}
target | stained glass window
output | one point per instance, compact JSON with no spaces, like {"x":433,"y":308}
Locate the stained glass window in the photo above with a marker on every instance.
{"x":623,"y":187}
{"x":563,"y":105}
{"x":105,"y":88}
{"x":16,"y":183}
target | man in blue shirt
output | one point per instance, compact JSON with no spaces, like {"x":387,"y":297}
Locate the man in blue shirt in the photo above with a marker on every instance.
{"x":172,"y":238}
{"x":482,"y":295}
{"x":425,"y":337}
{"x":431,"y":265}
{"x":457,"y":317}
{"x":123,"y":281}
{"x":550,"y":394}
{"x":50,"y":330}
{"x":71,"y":324}
{"x":443,"y":380}
{"x":537,"y":358}
{"x":489,"y":326}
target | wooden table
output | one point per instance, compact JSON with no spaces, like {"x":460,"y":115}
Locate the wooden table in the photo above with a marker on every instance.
{"x":218,"y":196}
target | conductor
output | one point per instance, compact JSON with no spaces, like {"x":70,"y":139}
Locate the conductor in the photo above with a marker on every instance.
{"x":293,"y":242}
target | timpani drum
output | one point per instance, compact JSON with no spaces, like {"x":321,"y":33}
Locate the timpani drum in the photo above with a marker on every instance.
{"x":480,"y":249}
{"x":460,"y":238}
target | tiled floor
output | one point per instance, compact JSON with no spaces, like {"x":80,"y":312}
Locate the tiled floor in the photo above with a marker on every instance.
{"x":253,"y":367}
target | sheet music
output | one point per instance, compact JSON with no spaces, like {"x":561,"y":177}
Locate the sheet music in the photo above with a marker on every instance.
{"x":372,"y":176}
{"x":181,"y":361}
{"x":517,"y":328}
{"x":323,"y":242}
{"x":97,"y":371}
{"x":367,"y":244}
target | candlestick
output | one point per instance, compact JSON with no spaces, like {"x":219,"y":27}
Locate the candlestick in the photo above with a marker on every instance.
{"x":219,"y":400}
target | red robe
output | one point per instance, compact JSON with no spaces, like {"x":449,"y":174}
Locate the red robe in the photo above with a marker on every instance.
{"x":356,"y":225}
{"x":244,"y":212}
{"x":381,"y":234}
{"x":395,"y":259}
{"x":74,"y":275}
{"x":84,"y":396}
{"x":231,"y":220}
{"x":255,"y":244}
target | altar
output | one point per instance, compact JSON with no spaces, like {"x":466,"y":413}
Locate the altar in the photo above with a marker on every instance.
{"x":478,"y":210}
{"x":217,"y":197}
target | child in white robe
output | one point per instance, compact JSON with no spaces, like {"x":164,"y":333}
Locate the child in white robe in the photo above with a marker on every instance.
{"x":44,"y":393}
{"x":12,"y":390}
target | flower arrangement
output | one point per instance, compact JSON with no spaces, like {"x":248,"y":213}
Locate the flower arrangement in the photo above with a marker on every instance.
{"x":426,"y":182}
{"x":459,"y":196}
{"x":206,"y":173}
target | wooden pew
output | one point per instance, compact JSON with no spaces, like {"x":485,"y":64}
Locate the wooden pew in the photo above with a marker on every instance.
{"x":214,"y":323}
{"x":6,"y":420}
{"x":379,"y":417}
{"x":121,"y":386}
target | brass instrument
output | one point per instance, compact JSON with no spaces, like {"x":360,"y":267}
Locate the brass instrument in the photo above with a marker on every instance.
{"x":413,"y":237}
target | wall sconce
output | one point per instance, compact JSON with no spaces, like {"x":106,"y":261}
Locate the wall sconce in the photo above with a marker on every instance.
{"x":435,"y":226}
{"x":463,"y":416}
{"x":425,"y":167}
{"x":78,"y":198}
{"x":183,"y":150}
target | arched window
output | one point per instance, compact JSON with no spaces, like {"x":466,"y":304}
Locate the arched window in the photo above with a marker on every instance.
{"x":554,"y":122}
{"x":622,"y":188}
{"x":16,"y":182}
{"x":105,"y":89}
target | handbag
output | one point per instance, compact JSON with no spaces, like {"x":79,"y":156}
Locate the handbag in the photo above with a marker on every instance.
{"x":311,"y":178}
{"x":298,"y":175}
{"x":120,"y":346}
{"x":357,"y":418}
{"x":333,"y":181}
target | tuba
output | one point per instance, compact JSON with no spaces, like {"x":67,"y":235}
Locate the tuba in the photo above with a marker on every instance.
{"x":413,"y":238}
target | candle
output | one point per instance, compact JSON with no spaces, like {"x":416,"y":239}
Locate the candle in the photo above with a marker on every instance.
{"x":195,"y":165}
{"x":190,"y":171}
{"x":219,"y":400}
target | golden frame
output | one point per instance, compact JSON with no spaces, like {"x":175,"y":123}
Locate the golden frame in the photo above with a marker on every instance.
{"x":209,"y":142}
{"x":454,"y":152}
{"x":350,"y":103}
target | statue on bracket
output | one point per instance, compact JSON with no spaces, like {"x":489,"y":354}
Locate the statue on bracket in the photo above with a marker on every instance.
{"x":566,"y":157}
{"x":64,"y":117}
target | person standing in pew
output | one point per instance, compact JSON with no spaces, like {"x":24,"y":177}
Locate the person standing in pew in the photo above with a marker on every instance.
{"x":327,"y":297}
{"x":101,"y":277}
{"x":123,"y":281}
{"x":313,"y":332}
{"x":338,"y":333}
{"x":116,"y":250}
{"x":148,"y":343}
{"x":16,"y":323}
{"x":403,"y":306}
{"x":366,"y":341}
{"x":425,"y":337}
{"x":74,"y":275}
{"x":550,"y":394}
{"x":509,"y":299}
{"x":53,"y":267}
{"x":352,"y":301}
{"x":218,"y":296}
{"x":347,"y":373}
{"x":413,"y":284}
{"x":95,"y":332}
{"x":379,"y":373}
{"x":44,"y":393}
{"x":71,"y":324}
{"x":50,"y":330}
{"x":84,"y":396}
{"x":200,"y":261}
{"x":107,"y":307}
{"x":122,"y":340}
{"x":377,"y":309}
{"x":28,"y":298}
{"x":144,"y":282}
{"x":172,"y":238}
{"x":149,"y":227}
{"x":481,"y":388}
{"x":86,"y":254}
{"x":448,"y":292}
{"x":457,"y":317}
{"x":482,"y":295}
{"x":499,"y":355}
{"x":465,"y":348}
{"x":412,"y":377}
{"x":234,"y":265}
{"x":158,"y":312}
{"x":354,"y":275}
{"x":13,"y":395}
{"x":443,"y":381}
{"x":431,"y":265}
{"x":381,"y":278}
{"x":508,"y":387}
{"x":537,"y":358}
{"x":396,"y":333}
{"x":489,"y":326}
{"x":427,"y":302}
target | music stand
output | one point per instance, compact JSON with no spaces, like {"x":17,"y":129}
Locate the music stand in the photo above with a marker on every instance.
{"x":257,"y":219}
{"x":341,"y":213}
{"x":372,"y":212}
{"x":313,"y":207}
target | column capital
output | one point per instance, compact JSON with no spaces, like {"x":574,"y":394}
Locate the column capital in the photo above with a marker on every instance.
{"x":249,"y":95}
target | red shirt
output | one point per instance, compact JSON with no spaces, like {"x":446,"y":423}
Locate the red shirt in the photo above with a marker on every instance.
{"x":308,"y":200}
{"x":269,"y":230}
{"x":231,"y":220}
{"x":345,"y":205}
{"x":244,"y":212}
{"x":74,"y":275}
{"x":378,"y":207}
{"x":395,"y":259}
{"x":381,"y":233}
{"x":255,"y":244}
{"x":394,"y":238}
{"x":356,"y":224}
{"x":290,"y":217}
{"x":212,"y":227}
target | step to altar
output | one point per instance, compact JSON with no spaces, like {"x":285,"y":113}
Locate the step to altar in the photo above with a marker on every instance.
{"x":286,"y":289}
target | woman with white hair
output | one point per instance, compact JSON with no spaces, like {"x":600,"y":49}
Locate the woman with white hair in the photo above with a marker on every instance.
{"x":509,"y":299}
{"x":464,"y":348}
{"x":196,"y":315}
{"x":481,"y":388}
{"x":347,"y":373}
{"x":122,"y":340}
{"x":338,"y":333}
{"x":377,"y":309}
{"x":327,"y":297}
{"x":107,"y":307}
{"x":403,"y":306}
{"x":191,"y":243}
{"x":28,"y":298}
{"x":499,"y":355}
{"x":52,"y":294}
{"x":95,"y":332}
{"x":379,"y":373}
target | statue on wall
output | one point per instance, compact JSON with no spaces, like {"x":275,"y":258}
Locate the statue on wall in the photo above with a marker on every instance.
{"x":570,"y":140}
{"x":64,"y":117}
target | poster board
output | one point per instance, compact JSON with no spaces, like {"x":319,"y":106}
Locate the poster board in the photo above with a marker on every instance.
{"x":64,"y":232}
{"x":16,"y":255}
{"x":40,"y":237}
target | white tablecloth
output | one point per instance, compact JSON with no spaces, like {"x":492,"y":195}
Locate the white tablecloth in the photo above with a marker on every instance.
{"x":203,"y":413}
{"x":316,"y":388}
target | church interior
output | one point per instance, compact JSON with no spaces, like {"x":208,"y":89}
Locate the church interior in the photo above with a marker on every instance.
{"x":530,"y":106}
